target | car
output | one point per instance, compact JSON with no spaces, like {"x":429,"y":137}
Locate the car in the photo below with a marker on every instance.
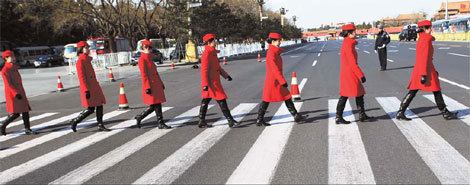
{"x":409,"y":33}
{"x":48,"y":61}
{"x":158,"y":57}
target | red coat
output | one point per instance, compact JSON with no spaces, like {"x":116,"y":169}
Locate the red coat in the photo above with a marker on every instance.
{"x":88,"y":82}
{"x":14,"y":86}
{"x":350,"y":74}
{"x":210,"y":74}
{"x":273,"y":91}
{"x":150,"y":80}
{"x":424,"y":65}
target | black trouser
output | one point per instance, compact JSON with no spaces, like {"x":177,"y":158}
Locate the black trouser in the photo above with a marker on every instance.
{"x":382,"y":58}
{"x":289,"y":104}
{"x":437,"y":97}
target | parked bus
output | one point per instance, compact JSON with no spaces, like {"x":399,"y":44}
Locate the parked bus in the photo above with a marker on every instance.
{"x":27,"y":55}
{"x":460,"y":24}
{"x":102,"y":45}
{"x":440,"y":26}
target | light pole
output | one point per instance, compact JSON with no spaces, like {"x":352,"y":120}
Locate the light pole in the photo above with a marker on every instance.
{"x":294,"y":18}
{"x":191,"y":54}
{"x":283,"y":12}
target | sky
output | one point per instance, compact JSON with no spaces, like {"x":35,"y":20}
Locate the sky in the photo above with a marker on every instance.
{"x":313,"y":13}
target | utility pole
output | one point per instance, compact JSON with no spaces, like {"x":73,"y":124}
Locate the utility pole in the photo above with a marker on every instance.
{"x":294,"y":18}
{"x":283,"y":12}
{"x":447,"y":5}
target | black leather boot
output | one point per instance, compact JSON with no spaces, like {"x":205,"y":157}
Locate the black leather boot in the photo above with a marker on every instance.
{"x":404,"y":105}
{"x":340,"y":109}
{"x":7,"y":121}
{"x":202,"y":113}
{"x":85,"y":113}
{"x":27,"y":125}
{"x":291,"y":107}
{"x":226,"y":111}
{"x":261,"y":111}
{"x":99,"y":119}
{"x":161,"y":123}
{"x":143,"y":114}
{"x":362,"y":111}
{"x":442,"y":107}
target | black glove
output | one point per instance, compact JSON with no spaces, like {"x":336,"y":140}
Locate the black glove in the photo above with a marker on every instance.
{"x":163,"y":85}
{"x":423,"y":79}
{"x":229,"y":78}
{"x":205,"y":88}
{"x":363,"y":79}
{"x":285,"y":85}
{"x":87,"y":95}
{"x":18,"y":96}
{"x":148,"y":91}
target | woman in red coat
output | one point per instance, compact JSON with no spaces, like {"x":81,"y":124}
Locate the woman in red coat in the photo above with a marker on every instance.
{"x":275,"y":86}
{"x":15,"y":96}
{"x":350,"y":76}
{"x":90,"y":90}
{"x":152,"y":86}
{"x":211,"y":87}
{"x":424,"y":76}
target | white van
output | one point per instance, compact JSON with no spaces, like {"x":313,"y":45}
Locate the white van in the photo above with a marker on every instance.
{"x":27,"y":55}
{"x":70,"y":51}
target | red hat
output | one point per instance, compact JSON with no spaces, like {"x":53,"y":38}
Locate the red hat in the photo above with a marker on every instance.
{"x":82,"y":44}
{"x":348,"y":27}
{"x":7,"y":53}
{"x":424,"y":23}
{"x":207,"y":37}
{"x":147,"y":43}
{"x":276,"y":36}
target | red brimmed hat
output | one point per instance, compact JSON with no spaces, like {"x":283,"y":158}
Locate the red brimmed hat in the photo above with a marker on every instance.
{"x":82,"y":44}
{"x":424,"y":23}
{"x":7,"y":53}
{"x":276,"y":36}
{"x":147,"y":43}
{"x":208,"y":37}
{"x":348,"y":27}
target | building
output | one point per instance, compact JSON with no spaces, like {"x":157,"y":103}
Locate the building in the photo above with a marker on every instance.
{"x":454,"y":10}
{"x":403,"y":19}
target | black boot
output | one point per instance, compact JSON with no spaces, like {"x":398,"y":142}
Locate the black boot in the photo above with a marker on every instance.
{"x":339,"y":111}
{"x":161,"y":123}
{"x":442,"y":107}
{"x":27,"y":125}
{"x":143,"y":114}
{"x":404,"y":105}
{"x":226,"y":111}
{"x":362,"y":111}
{"x":202,"y":113}
{"x":85,"y":113}
{"x":291,"y":107}
{"x":7,"y":121}
{"x":261,"y":111}
{"x":99,"y":119}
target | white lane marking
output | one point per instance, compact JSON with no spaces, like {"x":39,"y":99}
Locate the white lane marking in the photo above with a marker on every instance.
{"x":294,"y":56}
{"x":456,"y":54}
{"x":314,"y":63}
{"x":3,"y":118}
{"x":357,"y":48}
{"x":38,"y":127}
{"x":319,"y":54}
{"x":106,"y":161}
{"x":454,"y":83}
{"x":412,"y":49}
{"x":294,"y":49}
{"x":444,"y":48}
{"x":41,"y":161}
{"x":302,"y":84}
{"x":390,"y":60}
{"x":177,"y":163}
{"x":34,"y":118}
{"x":392,"y":46}
{"x":347,"y":158}
{"x":452,"y":105}
{"x":449,"y":166}
{"x":56,"y":134}
{"x":366,"y":52}
{"x":392,"y":51}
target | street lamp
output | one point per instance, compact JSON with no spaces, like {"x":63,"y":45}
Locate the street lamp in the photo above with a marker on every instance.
{"x":191,"y":55}
{"x":283,"y":12}
{"x":294,"y":18}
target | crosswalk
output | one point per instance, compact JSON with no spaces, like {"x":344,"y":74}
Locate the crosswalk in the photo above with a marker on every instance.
{"x":348,"y":158}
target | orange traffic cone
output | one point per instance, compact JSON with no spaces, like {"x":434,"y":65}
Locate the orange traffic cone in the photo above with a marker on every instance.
{"x":123,"y":105}
{"x":172,"y":65}
{"x":259,"y":57}
{"x":60,"y":87}
{"x":295,"y":88}
{"x":225,"y":61}
{"x":111,"y":76}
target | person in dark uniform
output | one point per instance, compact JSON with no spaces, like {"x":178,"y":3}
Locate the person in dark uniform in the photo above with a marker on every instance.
{"x":424,"y":76}
{"x":381,"y":43}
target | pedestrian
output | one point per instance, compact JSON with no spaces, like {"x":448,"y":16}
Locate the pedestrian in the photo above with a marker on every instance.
{"x":91,"y":94}
{"x":424,"y":76}
{"x":350,"y":76}
{"x":15,"y":96}
{"x":383,"y":39}
{"x":152,"y":86}
{"x":211,"y":87}
{"x":275,"y":86}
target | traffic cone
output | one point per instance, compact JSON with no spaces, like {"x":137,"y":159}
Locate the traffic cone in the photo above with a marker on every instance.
{"x":295,"y":88}
{"x":123,"y":105}
{"x":259,"y":57}
{"x":172,"y":65}
{"x":225,"y":61}
{"x":60,"y":87}
{"x":111,"y":76}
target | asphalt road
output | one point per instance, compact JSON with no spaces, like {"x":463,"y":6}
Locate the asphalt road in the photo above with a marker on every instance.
{"x":426,"y":150}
